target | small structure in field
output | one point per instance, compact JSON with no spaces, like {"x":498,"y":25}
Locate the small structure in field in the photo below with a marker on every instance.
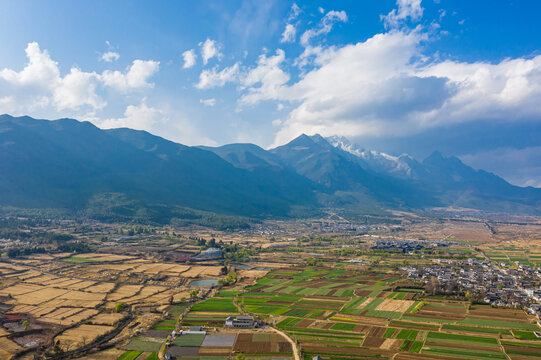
{"x":241,"y":322}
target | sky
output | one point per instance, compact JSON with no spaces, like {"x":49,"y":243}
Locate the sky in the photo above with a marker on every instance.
{"x":399,"y":76}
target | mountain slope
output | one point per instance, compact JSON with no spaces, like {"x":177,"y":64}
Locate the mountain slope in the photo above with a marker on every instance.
{"x":65,"y":163}
{"x":75,"y":165}
{"x":340,"y":171}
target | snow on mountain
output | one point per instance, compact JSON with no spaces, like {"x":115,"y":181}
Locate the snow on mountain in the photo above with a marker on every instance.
{"x":401,"y":166}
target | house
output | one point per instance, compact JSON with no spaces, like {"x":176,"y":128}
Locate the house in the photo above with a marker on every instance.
{"x":317,"y":357}
{"x":241,"y":322}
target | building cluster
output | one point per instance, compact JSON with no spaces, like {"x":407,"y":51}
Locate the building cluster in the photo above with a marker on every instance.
{"x":409,"y":245}
{"x":498,"y":285}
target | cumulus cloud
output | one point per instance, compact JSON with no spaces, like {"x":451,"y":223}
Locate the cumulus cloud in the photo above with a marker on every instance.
{"x":213,"y":78}
{"x":407,"y":9}
{"x":138,"y":117}
{"x":325,"y":25}
{"x":289,"y":34}
{"x":76,"y":89}
{"x":189,"y":58}
{"x":385,"y":87}
{"x":41,"y":70}
{"x":266,"y":81}
{"x":208,"y":102}
{"x":210,"y":49}
{"x":135,"y":77}
{"x":40,"y":85}
{"x":110,"y":56}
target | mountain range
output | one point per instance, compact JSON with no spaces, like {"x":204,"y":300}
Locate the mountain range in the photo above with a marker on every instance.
{"x":74,"y":165}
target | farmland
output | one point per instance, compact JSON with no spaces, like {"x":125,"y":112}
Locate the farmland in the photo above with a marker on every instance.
{"x":339,"y":296}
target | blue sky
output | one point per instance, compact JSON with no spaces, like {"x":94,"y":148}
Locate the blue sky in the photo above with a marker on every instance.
{"x":463,"y":77}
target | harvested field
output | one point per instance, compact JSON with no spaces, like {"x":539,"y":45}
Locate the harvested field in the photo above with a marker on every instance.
{"x":371,"y":341}
{"x":100,"y":287}
{"x":394,"y":305}
{"x":8,"y":348}
{"x":488,"y":312}
{"x":214,"y":351}
{"x":39,"y":296}
{"x":106,"y":319}
{"x":82,"y":334}
{"x":391,"y":344}
{"x":123,"y":292}
{"x":69,"y":317}
{"x":19,"y":289}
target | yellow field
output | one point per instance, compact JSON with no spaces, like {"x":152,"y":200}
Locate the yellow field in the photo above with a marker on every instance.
{"x":124,"y":291}
{"x":106,"y":319}
{"x":82,"y":334}
{"x":395,"y":305}
{"x":100,"y":287}
{"x":7,"y":348}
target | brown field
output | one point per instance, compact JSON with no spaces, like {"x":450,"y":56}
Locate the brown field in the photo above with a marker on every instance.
{"x":81,"y":334}
{"x":214,"y":351}
{"x":372,"y":341}
{"x":19,"y":289}
{"x":111,"y":354}
{"x":197,"y":271}
{"x":39,"y":296}
{"x":101,"y":287}
{"x":395,"y":305}
{"x":106,"y":318}
{"x":459,"y":346}
{"x":124,"y":291}
{"x":377,"y":331}
{"x":488,"y":312}
{"x":68,"y":316}
{"x":245,"y":343}
{"x":8,"y":348}
{"x":391,"y":344}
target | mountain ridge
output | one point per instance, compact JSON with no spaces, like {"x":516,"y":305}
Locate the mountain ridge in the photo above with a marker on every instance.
{"x":68,"y":163}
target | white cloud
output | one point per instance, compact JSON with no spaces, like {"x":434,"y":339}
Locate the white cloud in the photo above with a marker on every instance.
{"x":289,"y":34}
{"x":385,"y":86}
{"x":76,"y":89}
{"x":189,"y":58}
{"x":110,"y":56}
{"x":208,"y":102}
{"x":280,"y":107}
{"x":276,"y":122}
{"x":41,"y":71}
{"x":138,"y":117}
{"x":40,"y":85}
{"x":210,"y":49}
{"x":406,"y":9}
{"x":325,"y":26}
{"x":135,"y":77}
{"x":212,"y":78}
{"x":268,"y":75}
{"x":295,"y":11}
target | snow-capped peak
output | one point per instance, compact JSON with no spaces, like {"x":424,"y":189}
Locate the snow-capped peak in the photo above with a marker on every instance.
{"x":377,"y":161}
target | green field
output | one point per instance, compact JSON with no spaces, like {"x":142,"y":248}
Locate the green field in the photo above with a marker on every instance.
{"x":224,"y":305}
{"x":130,"y":355}
{"x":189,"y":340}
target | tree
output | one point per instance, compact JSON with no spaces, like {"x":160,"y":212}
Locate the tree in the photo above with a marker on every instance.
{"x":194,"y":293}
{"x":241,"y":357}
{"x":26,"y":325}
{"x":119,"y":307}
